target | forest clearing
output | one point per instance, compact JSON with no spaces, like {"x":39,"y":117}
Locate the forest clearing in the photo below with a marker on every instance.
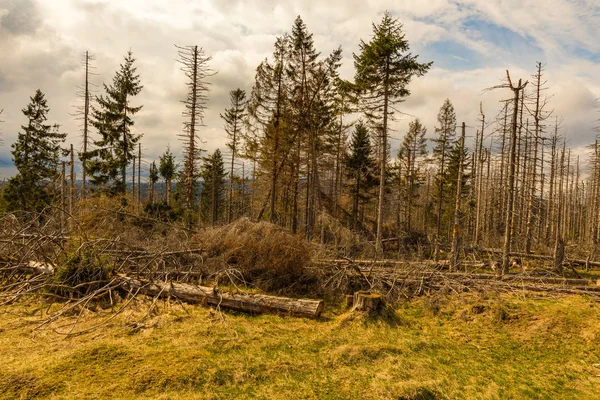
{"x":324,"y":224}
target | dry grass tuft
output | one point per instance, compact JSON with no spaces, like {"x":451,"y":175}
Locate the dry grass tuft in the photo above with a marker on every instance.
{"x":268,"y":256}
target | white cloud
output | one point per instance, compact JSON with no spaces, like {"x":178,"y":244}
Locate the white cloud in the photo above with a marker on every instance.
{"x":45,"y":50}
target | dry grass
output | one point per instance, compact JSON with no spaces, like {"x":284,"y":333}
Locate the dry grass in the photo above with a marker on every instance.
{"x":448,"y":348}
{"x":269,"y":257}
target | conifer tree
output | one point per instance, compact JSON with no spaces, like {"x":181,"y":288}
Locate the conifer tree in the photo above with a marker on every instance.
{"x":412,"y":148}
{"x":168,"y":170}
{"x":384,"y":68}
{"x":212,"y":197}
{"x":234,"y":117}
{"x":360,"y":164}
{"x":444,"y":142}
{"x":36,"y":156}
{"x":268,"y":106}
{"x":112,"y":117}
{"x":153,"y":176}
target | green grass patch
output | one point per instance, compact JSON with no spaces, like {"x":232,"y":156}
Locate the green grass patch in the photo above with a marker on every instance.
{"x":459,"y":347}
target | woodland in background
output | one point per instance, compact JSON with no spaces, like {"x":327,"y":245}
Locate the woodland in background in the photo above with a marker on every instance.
{"x":310,"y":152}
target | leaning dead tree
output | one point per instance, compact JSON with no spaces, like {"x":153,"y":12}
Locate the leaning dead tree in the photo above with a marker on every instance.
{"x":195,"y":67}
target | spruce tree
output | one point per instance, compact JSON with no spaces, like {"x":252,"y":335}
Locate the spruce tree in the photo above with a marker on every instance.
{"x":168,"y":170}
{"x":360,"y":164}
{"x":384,"y":68}
{"x":36,"y":156}
{"x":112,"y":117}
{"x":268,"y":106}
{"x":413,"y":148}
{"x":153,"y":176}
{"x":212,"y":197}
{"x":234,"y":117}
{"x":444,"y":142}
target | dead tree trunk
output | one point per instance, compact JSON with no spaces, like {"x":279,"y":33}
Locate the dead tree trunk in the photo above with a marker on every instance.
{"x":559,"y":245}
{"x":250,"y":303}
{"x":456,"y":231}
{"x":511,"y":176}
{"x":72,"y":182}
{"x":480,"y":159}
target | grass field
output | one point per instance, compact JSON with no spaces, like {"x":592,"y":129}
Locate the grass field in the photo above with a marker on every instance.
{"x":456,"y":347}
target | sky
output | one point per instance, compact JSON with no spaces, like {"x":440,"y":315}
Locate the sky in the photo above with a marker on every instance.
{"x":471,"y":44}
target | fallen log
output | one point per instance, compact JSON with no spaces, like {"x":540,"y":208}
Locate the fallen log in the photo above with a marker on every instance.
{"x":391,"y":272}
{"x":544,"y":257}
{"x":251,"y":303}
{"x":30,"y":268}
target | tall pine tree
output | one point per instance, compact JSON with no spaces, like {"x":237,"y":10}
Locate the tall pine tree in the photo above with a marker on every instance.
{"x":444,"y":143}
{"x":112,"y":117}
{"x":36,"y":156}
{"x":212,"y":197}
{"x":168,"y":170}
{"x":413,"y":148}
{"x":384,"y":68}
{"x":360,"y":164}
{"x":234,"y":118}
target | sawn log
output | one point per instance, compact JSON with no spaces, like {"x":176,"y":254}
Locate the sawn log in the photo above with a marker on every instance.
{"x":251,"y":303}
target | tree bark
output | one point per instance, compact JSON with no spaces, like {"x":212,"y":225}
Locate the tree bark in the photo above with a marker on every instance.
{"x":511,"y":177}
{"x":456,"y":231}
{"x":250,"y":303}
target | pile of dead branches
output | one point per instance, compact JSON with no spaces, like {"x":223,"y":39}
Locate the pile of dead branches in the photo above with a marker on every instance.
{"x":399,"y":281}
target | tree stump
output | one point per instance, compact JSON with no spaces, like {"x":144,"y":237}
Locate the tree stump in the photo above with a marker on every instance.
{"x":349,"y":300}
{"x":365,"y":301}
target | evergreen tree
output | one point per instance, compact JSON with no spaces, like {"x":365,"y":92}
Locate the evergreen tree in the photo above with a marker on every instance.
{"x":212,"y":197}
{"x":413,"y":148}
{"x":384,"y":68}
{"x":444,"y":143}
{"x":451,"y":173}
{"x":360,"y":164}
{"x":36,"y":156}
{"x":268,"y":108}
{"x":168,"y":170}
{"x":113,"y":120}
{"x":234,"y":117}
{"x":153,"y":176}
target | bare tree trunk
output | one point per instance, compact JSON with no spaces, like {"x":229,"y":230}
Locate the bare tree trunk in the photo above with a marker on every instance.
{"x":63,"y":193}
{"x":511,"y":177}
{"x":215,"y":206}
{"x":550,"y":211}
{"x":456,"y":235}
{"x":559,"y":245}
{"x":86,"y":112}
{"x":378,"y":243}
{"x":133,"y":182}
{"x":169,"y":190}
{"x":72,"y":182}
{"x":139,"y":171}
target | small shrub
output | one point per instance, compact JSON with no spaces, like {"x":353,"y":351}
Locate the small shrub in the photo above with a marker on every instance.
{"x":81,"y":272}
{"x":162,"y":211}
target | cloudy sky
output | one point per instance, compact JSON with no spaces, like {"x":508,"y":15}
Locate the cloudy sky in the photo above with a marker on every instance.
{"x":471,"y":43}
